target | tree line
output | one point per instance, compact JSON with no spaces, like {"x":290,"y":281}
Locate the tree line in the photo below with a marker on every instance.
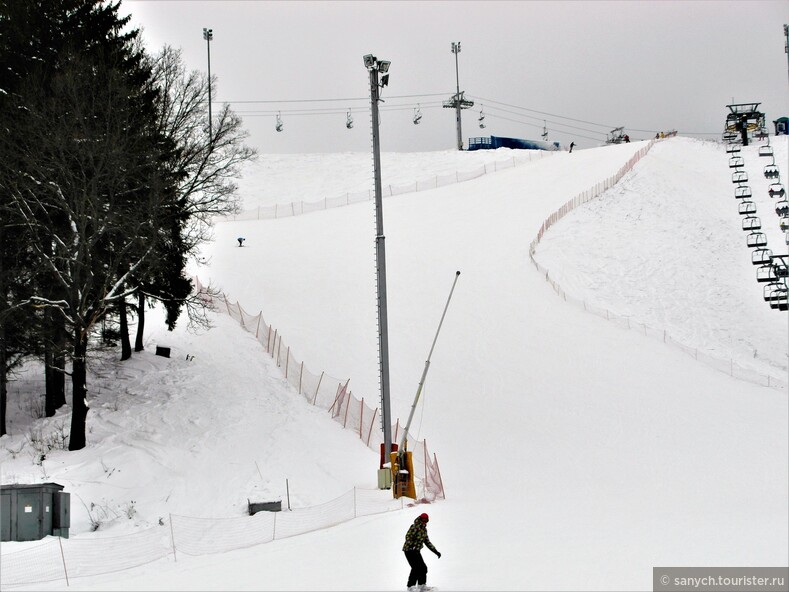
{"x":110,"y":176}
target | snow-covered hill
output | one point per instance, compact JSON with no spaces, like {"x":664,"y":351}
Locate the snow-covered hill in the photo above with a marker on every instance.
{"x":575,"y":454}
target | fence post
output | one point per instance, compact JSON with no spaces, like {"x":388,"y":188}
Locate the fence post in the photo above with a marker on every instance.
{"x":257,"y":329}
{"x":63,"y":558}
{"x":424,"y":449}
{"x":361,"y":417}
{"x":271,"y":350}
{"x":301,"y":374}
{"x":440,"y":480}
{"x":317,"y":388}
{"x":372,"y":423}
{"x":172,"y":537}
{"x":287,"y":363}
{"x":347,"y":408}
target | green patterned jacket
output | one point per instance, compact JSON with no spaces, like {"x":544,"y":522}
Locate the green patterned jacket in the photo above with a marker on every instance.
{"x":417,"y":536}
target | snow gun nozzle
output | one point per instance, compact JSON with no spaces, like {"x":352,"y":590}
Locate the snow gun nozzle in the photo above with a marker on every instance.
{"x":457,"y":273}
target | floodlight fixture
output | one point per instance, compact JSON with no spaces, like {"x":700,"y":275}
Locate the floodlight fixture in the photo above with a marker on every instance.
{"x":369,"y":61}
{"x":208,"y":34}
{"x":383,"y":66}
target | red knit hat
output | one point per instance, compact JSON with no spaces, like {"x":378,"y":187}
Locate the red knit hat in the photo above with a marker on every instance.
{"x":424,"y":517}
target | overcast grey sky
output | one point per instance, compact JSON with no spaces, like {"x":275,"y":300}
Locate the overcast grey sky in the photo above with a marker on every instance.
{"x":579,"y":68}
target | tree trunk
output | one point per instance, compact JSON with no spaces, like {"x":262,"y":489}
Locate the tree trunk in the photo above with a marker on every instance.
{"x":138,"y":346}
{"x":126,"y":351}
{"x":59,"y":366}
{"x":49,"y":378}
{"x":79,"y":387}
{"x":3,"y":391}
{"x":55,"y":367}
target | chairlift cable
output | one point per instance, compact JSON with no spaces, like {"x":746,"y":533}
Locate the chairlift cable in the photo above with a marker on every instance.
{"x":332,"y":100}
{"x":540,"y":112}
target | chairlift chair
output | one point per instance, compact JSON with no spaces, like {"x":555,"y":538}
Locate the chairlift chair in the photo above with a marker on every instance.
{"x":417,"y":115}
{"x":761,"y":256}
{"x":756,"y":239}
{"x":782,"y":208}
{"x":742,"y":191}
{"x":747,"y":207}
{"x":736,"y":161}
{"x":732,"y":149}
{"x":348,"y":120}
{"x":751,"y":223}
{"x":769,"y":291}
{"x":779,"y":298}
{"x":771,"y":172}
{"x":776,"y":190}
{"x":766,"y":273}
{"x":481,"y":118}
{"x":766,"y":150}
{"x":739,"y":177}
{"x":784,"y":224}
{"x":278,"y":126}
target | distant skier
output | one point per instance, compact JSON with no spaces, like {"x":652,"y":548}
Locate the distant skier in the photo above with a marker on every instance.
{"x":627,"y":139}
{"x":572,"y":145}
{"x":414,"y":539}
{"x":241,"y":240}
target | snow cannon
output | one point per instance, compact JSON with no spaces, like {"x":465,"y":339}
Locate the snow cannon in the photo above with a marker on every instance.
{"x":402,"y":463}
{"x":403,"y":484}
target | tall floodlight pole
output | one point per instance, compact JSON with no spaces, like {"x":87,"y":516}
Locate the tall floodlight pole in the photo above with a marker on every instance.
{"x":786,"y":51}
{"x":374,"y":67}
{"x":208,"y":35}
{"x":456,"y":51}
{"x":786,"y":44}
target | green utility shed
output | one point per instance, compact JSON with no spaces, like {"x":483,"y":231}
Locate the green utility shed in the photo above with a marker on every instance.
{"x":31,"y":512}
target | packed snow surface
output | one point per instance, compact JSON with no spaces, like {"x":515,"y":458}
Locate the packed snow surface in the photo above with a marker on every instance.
{"x":576,"y":454}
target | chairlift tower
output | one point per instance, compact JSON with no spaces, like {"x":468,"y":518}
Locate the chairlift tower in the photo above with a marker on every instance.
{"x":458,"y":102}
{"x":616,"y":136}
{"x":742,"y":118}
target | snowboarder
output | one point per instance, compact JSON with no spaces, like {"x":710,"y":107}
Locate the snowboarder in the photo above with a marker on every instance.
{"x":240,"y":240}
{"x":572,"y":145}
{"x":414,"y":539}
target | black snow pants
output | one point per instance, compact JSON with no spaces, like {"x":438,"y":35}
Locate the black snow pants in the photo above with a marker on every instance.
{"x":418,"y":573}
